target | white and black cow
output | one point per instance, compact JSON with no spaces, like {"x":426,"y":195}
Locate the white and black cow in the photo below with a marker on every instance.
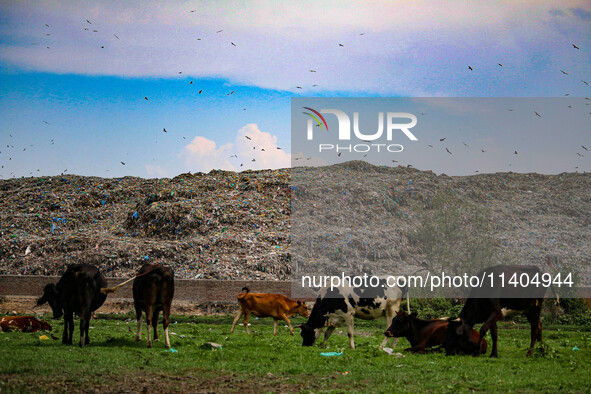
{"x":344,"y":304}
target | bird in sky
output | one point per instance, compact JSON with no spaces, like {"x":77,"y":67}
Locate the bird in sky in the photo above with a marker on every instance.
{"x":584,"y":147}
{"x":146,"y":98}
{"x":515,"y":152}
{"x":123,"y":163}
{"x":116,"y":36}
{"x":339,"y":155}
{"x":247,"y":137}
{"x":448,"y":151}
{"x":442,"y":139}
{"x":482,"y":150}
{"x":430,"y":146}
{"x":89,"y":21}
{"x":312,"y":71}
{"x":470,"y":68}
{"x":191,"y":83}
{"x":576,"y":47}
{"x":232,"y":43}
{"x":464,"y":143}
{"x":219,"y":31}
{"x":538,"y":114}
{"x":500,"y":64}
{"x":341,"y":45}
{"x":585,"y":82}
{"x":164,"y":129}
{"x":200,"y":91}
{"x":564,"y":72}
{"x":253,"y":159}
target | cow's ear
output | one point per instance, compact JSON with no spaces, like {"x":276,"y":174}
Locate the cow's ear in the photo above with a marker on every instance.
{"x":299,"y":302}
{"x":413,"y":315}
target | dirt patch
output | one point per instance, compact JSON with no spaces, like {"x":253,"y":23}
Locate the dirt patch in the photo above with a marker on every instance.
{"x":196,"y":382}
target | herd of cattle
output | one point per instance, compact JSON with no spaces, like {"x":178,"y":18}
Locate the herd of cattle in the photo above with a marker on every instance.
{"x":82,"y":289}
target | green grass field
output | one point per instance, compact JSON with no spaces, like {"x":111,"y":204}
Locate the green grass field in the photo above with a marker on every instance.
{"x":114,"y":362}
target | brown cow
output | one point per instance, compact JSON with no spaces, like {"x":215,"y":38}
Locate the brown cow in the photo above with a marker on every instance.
{"x":153,"y":290}
{"x":23,"y":323}
{"x":276,"y":306}
{"x":428,"y":333}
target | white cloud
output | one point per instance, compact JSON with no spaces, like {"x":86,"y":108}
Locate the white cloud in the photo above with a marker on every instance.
{"x":157,"y":171}
{"x":202,"y":154}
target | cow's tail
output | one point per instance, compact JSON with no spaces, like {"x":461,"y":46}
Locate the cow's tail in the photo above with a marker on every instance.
{"x":407,"y":301}
{"x":108,"y":290}
{"x":557,"y":302}
{"x":245,"y":291}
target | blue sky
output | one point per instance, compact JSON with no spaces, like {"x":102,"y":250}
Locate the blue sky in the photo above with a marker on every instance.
{"x":74,"y":98}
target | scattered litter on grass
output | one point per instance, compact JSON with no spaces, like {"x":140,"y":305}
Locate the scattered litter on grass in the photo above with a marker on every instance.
{"x":575,"y":349}
{"x":390,"y":351}
{"x":331,"y":354}
{"x":172,"y":350}
{"x":43,"y":338}
{"x":211,"y":345}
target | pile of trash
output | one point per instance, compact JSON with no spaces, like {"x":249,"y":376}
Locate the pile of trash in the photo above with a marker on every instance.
{"x":249,"y":225}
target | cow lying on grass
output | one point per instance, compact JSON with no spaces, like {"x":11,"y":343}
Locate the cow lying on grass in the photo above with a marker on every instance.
{"x":276,"y":306}
{"x":78,"y":291}
{"x":23,"y":323}
{"x":424,"y":334}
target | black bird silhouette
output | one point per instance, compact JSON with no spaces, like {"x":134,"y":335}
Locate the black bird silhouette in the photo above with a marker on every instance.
{"x":45,"y":122}
{"x":200,"y":91}
{"x":500,"y":64}
{"x":146,"y":98}
{"x":394,"y":161}
{"x":536,"y":112}
{"x":464,"y":143}
{"x":341,"y":45}
{"x":232,"y":43}
{"x":585,"y":82}
{"x":298,"y":87}
{"x":116,"y":36}
{"x":430,"y":146}
{"x":584,"y":147}
{"x":253,"y":159}
{"x":515,"y":152}
{"x":89,"y":21}
{"x":219,"y":31}
{"x":123,"y":163}
{"x":580,"y":154}
{"x":576,"y":47}
{"x":482,"y":150}
{"x":448,"y":151}
{"x":312,"y":71}
{"x":442,"y":139}
{"x":164,"y":129}
{"x":278,"y":147}
{"x":470,"y":68}
{"x":247,"y":137}
{"x":191,"y":83}
{"x":339,"y":155}
{"x":564,"y":72}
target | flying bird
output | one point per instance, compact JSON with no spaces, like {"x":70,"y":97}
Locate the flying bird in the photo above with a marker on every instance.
{"x":312,"y":71}
{"x":482,"y":150}
{"x":298,"y":87}
{"x":232,"y":43}
{"x":442,"y":139}
{"x":500,"y":64}
{"x":536,"y":112}
{"x":430,"y":146}
{"x":164,"y":129}
{"x":341,"y":45}
{"x":585,"y":82}
{"x":515,"y":152}
{"x":191,"y":83}
{"x":576,"y":47}
{"x":584,"y":147}
{"x":564,"y":72}
{"x":448,"y":151}
{"x":580,"y":155}
{"x":116,"y":36}
{"x":253,"y":159}
{"x":123,"y":163}
{"x":339,"y":155}
{"x":394,"y":161}
{"x":247,"y":137}
{"x":89,"y":21}
{"x":146,"y":98}
{"x":470,"y":68}
{"x":45,"y":122}
{"x":464,"y":143}
{"x":219,"y":31}
{"x":200,"y":91}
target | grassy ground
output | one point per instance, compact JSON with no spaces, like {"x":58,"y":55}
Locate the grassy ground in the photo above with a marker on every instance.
{"x":114,"y":362}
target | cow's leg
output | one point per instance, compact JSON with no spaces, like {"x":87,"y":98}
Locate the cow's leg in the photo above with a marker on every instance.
{"x":284,"y":317}
{"x":155,"y":324}
{"x":149,"y":317}
{"x":245,"y":321}
{"x":328,"y":332}
{"x":494,"y":335}
{"x":536,"y":328}
{"x":138,"y":316}
{"x":274,"y":327}
{"x":66,"y":325}
{"x":349,"y":319}
{"x":238,"y":315}
{"x":165,"y":322}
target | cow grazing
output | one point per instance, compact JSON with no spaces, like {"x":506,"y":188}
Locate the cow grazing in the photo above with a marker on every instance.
{"x":153,"y":290}
{"x":336,"y":306}
{"x":276,"y":306}
{"x":489,"y":304}
{"x":78,"y":291}
{"x":23,"y":323}
{"x":427,"y":333}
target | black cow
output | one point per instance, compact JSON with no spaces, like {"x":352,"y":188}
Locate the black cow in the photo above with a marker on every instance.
{"x":488,"y":304}
{"x":153,"y":290}
{"x":428,"y":333}
{"x":343,"y":305}
{"x":78,"y":291}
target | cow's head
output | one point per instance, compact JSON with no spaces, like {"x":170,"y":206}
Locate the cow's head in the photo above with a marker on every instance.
{"x":51,"y":295}
{"x":457,"y":338}
{"x":401,"y":325}
{"x":309,"y":334}
{"x":302,"y":309}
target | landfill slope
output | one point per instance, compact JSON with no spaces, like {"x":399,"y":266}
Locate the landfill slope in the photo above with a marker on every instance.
{"x":227,"y":225}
